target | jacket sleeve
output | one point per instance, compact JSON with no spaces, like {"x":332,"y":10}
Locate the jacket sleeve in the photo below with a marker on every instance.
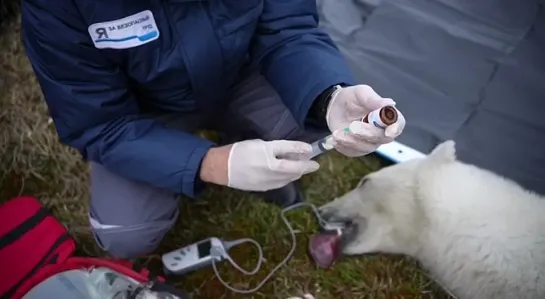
{"x":93,"y":109}
{"x":297,"y":57}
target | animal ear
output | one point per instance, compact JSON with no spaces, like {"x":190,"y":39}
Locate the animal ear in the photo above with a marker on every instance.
{"x":362,"y":181}
{"x":444,"y":152}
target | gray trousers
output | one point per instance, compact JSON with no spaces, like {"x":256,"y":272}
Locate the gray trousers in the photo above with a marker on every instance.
{"x":129,"y":219}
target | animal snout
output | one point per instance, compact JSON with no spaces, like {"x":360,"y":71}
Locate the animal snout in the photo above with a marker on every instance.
{"x":331,"y":214}
{"x":326,"y":213}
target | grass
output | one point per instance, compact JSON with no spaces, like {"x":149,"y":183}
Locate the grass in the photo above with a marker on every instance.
{"x":32,"y":161}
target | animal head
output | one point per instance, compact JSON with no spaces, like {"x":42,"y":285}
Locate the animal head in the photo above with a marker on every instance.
{"x":383,"y":211}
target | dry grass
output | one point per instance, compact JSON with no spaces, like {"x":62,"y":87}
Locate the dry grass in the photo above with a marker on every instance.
{"x":33,"y":162}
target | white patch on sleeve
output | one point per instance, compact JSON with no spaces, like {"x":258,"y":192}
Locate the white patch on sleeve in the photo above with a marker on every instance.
{"x":129,"y":32}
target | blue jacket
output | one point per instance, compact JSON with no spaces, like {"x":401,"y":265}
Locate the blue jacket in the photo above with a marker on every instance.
{"x":97,"y":69}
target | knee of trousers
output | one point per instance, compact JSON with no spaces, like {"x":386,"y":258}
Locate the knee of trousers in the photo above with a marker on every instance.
{"x":131,"y":241}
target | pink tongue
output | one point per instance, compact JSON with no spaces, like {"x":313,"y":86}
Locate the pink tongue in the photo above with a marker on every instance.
{"x":324,"y":248}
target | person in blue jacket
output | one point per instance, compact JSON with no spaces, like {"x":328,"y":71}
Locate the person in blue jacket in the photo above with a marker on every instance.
{"x":128,"y":82}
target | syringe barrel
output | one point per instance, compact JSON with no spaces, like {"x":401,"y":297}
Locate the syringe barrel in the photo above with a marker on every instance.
{"x":321,"y":146}
{"x":316,"y":148}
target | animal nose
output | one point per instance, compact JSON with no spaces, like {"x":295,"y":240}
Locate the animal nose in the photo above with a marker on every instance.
{"x":321,"y":209}
{"x":326,"y":213}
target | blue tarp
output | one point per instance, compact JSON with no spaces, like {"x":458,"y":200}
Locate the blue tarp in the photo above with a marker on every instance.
{"x":471,"y":71}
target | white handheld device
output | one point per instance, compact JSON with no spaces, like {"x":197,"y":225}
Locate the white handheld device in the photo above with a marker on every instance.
{"x":213,"y":250}
{"x":194,"y":256}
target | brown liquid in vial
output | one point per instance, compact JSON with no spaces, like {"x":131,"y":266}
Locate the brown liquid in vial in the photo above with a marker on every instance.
{"x":388,"y":115}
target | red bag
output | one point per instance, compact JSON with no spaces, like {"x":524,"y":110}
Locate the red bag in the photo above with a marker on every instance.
{"x":30,"y":238}
{"x":35,"y":246}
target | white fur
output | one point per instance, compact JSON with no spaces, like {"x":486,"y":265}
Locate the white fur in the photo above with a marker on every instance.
{"x":478,"y":234}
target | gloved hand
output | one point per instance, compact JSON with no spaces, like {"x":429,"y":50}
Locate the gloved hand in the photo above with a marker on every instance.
{"x":257,"y":165}
{"x":346,"y":108}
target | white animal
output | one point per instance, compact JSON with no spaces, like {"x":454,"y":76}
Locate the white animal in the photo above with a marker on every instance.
{"x":478,"y":234}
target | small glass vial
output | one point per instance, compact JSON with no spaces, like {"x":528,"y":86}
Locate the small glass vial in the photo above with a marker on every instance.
{"x":382,"y":117}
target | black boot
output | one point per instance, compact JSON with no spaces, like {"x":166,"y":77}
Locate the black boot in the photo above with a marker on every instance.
{"x":285,"y":196}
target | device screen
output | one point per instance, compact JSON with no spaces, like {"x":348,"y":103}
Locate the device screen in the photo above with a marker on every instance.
{"x":204,"y":248}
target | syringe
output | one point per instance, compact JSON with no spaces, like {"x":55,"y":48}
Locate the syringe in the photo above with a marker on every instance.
{"x":380,"y":118}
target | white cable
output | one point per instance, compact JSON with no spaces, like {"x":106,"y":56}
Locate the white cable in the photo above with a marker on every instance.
{"x":228,"y":245}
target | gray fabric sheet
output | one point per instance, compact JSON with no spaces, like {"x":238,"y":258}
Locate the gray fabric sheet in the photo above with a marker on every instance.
{"x":472,"y":71}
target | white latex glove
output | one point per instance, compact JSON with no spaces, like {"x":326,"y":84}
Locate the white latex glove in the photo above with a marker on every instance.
{"x":346,"y":108}
{"x":257,"y":165}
